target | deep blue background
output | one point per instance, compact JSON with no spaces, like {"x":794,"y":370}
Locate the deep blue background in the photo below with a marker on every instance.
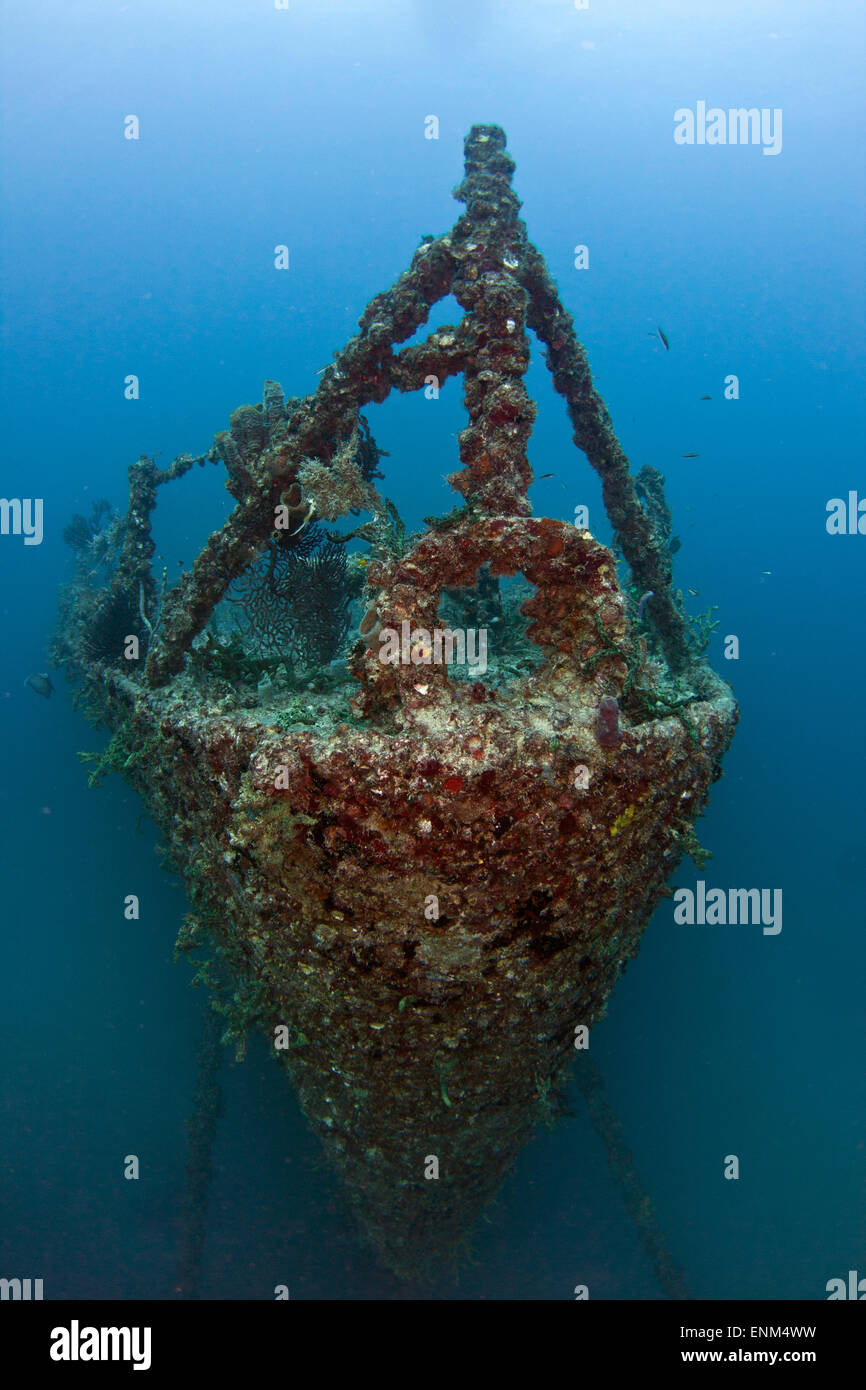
{"x":155,"y":257}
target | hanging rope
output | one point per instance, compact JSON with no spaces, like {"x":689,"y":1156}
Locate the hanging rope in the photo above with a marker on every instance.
{"x":201,"y":1130}
{"x":637,"y":1200}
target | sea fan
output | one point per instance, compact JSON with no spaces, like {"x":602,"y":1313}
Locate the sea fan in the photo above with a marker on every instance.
{"x":294,"y":602}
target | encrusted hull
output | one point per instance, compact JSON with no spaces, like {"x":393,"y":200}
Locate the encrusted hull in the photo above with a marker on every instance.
{"x":421,"y":918}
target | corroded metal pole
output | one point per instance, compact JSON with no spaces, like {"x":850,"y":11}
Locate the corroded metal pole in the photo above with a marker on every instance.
{"x":594,"y":434}
{"x":502,"y":283}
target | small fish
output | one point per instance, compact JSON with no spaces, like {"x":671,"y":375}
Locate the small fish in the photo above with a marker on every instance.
{"x":674,"y":544}
{"x":658,"y":334}
{"x":690,"y":456}
{"x":41,"y":684}
{"x":544,"y":475}
{"x":706,"y":398}
{"x":694,"y":593}
{"x":766,"y":571}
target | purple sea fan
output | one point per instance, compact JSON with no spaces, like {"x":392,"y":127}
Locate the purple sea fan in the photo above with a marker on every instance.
{"x":607,"y":729}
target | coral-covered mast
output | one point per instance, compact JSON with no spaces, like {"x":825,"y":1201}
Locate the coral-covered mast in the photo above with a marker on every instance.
{"x":502,"y":283}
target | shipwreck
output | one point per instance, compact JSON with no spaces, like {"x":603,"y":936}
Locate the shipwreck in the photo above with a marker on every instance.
{"x":421,"y":884}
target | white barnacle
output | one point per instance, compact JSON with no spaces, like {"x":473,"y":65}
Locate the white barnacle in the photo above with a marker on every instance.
{"x":510,"y":325}
{"x":424,"y":827}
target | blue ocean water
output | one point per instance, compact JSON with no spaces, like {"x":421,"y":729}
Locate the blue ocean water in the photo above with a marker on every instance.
{"x":305,"y":126}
